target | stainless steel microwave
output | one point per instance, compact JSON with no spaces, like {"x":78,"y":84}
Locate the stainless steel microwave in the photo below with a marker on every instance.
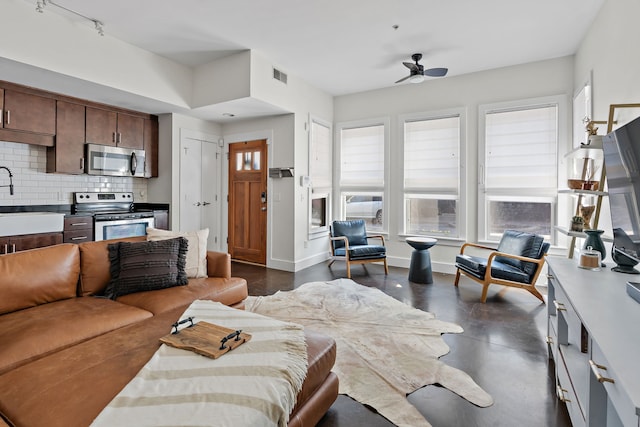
{"x":114,"y":161}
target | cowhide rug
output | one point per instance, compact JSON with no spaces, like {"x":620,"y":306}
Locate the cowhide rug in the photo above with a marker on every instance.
{"x":385,"y":348}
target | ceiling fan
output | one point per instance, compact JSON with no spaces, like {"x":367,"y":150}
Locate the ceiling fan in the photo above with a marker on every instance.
{"x":417,"y":71}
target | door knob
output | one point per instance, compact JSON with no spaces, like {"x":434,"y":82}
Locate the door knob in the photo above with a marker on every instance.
{"x":264,"y":208}
{"x":197,"y":204}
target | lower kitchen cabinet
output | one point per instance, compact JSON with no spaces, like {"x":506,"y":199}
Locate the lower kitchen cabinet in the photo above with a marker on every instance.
{"x":78,"y":229}
{"x":161,"y":219}
{"x":10,"y":244}
{"x":593,"y":341}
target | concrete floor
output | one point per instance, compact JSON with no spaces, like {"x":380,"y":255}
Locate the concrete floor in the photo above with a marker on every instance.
{"x":502,"y":347}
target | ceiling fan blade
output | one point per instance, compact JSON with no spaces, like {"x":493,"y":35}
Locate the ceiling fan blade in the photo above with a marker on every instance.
{"x":436,"y":72}
{"x":411,"y":66}
{"x":404,"y":78}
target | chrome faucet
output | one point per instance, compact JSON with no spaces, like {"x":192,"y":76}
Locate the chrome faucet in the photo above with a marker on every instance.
{"x":10,"y":180}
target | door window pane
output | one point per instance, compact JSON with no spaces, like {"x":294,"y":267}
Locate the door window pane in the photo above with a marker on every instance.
{"x":247,"y":161}
{"x":256,"y":160}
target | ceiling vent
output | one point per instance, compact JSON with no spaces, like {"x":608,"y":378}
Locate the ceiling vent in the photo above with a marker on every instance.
{"x":279,"y":75}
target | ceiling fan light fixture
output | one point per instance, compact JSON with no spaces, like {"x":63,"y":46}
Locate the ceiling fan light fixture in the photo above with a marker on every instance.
{"x":418,"y":78}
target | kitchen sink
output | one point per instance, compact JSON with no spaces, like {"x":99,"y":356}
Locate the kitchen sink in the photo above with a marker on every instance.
{"x":13,"y":224}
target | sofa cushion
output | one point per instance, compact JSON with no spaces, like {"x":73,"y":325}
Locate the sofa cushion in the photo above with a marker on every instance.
{"x":95,"y":268}
{"x":196,"y":253}
{"x":523,"y":244}
{"x":226,"y":291}
{"x":37,"y":331}
{"x":38,"y":276}
{"x":146,"y":266}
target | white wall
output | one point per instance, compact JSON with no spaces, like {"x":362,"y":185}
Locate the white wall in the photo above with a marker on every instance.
{"x":610,"y":52}
{"x":546,"y":78}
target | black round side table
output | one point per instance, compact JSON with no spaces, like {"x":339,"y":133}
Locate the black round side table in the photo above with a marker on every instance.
{"x":420,"y":269}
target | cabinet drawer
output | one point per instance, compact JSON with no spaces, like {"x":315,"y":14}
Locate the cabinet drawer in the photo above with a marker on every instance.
{"x":618,"y":404}
{"x":78,"y":236}
{"x":566,"y":394}
{"x":72,"y":223}
{"x":568,"y":325}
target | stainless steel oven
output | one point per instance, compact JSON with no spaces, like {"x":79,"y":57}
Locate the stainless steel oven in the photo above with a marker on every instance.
{"x":114,"y":216}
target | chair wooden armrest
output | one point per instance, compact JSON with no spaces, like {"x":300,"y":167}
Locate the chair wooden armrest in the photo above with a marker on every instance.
{"x":377,"y":236}
{"x":475,"y":245}
{"x":518,"y":257}
{"x":346,"y":244}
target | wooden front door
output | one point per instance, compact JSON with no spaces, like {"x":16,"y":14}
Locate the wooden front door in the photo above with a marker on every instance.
{"x":248,"y":201}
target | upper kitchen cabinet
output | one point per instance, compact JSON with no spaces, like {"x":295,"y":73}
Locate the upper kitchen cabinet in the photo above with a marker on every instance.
{"x":151,"y":147}
{"x":67,"y":156}
{"x":26,"y":117}
{"x":107,"y":127}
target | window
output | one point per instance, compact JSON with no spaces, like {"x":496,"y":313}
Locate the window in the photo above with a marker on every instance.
{"x":519,"y":168}
{"x":432,"y":175}
{"x":362,"y":173}
{"x":320,"y":174}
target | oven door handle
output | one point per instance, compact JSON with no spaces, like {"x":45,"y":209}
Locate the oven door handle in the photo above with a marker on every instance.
{"x":133,"y":164}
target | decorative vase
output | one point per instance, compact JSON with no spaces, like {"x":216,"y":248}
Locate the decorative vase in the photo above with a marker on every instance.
{"x":594,"y":241}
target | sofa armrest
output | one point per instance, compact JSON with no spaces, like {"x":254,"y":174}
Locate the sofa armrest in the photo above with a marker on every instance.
{"x":218,"y":264}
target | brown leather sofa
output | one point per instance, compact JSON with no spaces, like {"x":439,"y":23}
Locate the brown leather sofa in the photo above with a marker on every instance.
{"x":64,"y":353}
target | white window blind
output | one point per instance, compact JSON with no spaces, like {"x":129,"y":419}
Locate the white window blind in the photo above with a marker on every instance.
{"x":431,"y":155}
{"x":521,"y":148}
{"x":320,"y":155}
{"x":362,"y":156}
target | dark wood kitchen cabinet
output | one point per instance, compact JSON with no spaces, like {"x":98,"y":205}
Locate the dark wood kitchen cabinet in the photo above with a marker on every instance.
{"x":10,"y":244}
{"x":27,"y":117}
{"x":107,"y":127}
{"x":67,"y":156}
{"x":151,"y":147}
{"x":78,"y":229}
{"x":161,"y":219}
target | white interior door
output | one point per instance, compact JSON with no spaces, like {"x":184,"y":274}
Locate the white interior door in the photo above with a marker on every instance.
{"x":200,"y":165}
{"x":190,"y":184}
{"x":210,"y":209}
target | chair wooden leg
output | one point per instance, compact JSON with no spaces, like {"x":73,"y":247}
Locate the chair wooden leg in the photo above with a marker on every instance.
{"x":535,"y":292}
{"x":348,"y":270}
{"x":331,"y":263}
{"x":455,"y":282}
{"x":386,"y":267}
{"x":485,"y":289}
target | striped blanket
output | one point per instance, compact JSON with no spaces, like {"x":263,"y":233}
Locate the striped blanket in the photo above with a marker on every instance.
{"x":256,"y":384}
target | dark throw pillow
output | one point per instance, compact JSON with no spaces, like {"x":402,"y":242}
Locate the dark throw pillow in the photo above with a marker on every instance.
{"x":146,"y":266}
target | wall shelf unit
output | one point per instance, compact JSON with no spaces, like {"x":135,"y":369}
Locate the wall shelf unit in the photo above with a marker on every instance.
{"x":590,"y":154}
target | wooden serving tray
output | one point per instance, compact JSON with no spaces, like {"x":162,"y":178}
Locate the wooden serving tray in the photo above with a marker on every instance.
{"x":206,"y":339}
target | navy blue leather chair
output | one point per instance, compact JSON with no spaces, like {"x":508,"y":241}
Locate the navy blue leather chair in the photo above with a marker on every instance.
{"x":349,"y":242}
{"x":517,"y":262}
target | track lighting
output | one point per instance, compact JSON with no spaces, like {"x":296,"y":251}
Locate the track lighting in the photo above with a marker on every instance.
{"x":98,"y":25}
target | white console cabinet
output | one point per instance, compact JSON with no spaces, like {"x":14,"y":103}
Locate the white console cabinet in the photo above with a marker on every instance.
{"x":594,"y":339}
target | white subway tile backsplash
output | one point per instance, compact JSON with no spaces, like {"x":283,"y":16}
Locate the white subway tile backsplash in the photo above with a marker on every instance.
{"x":33,"y":186}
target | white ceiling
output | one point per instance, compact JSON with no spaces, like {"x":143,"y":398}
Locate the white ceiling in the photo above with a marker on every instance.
{"x":348,"y":46}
